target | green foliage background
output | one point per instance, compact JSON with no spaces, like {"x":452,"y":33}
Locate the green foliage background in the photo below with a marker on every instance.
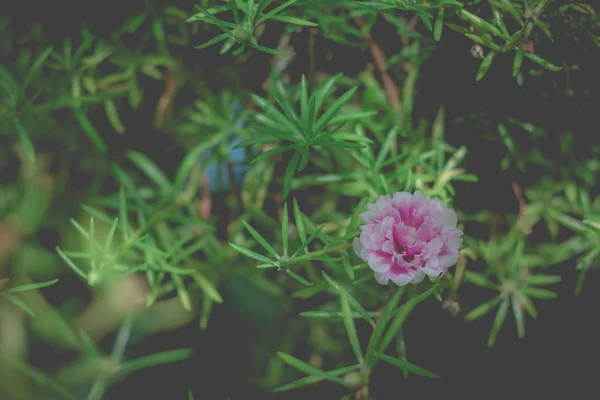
{"x":110,"y":235}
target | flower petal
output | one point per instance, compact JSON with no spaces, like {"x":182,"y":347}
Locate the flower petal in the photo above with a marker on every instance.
{"x":382,"y":278}
{"x":408,"y":236}
{"x":402,"y":279}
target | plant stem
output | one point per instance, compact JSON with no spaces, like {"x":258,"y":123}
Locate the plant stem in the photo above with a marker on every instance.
{"x":123,"y":336}
{"x":318,"y":253}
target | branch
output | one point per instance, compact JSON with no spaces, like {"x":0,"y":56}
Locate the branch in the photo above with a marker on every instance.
{"x":391,"y":90}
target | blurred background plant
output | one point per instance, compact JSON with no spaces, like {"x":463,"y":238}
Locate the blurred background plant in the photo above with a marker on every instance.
{"x":184,"y":211}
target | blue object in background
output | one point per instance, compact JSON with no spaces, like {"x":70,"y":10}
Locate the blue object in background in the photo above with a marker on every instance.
{"x":217,"y":170}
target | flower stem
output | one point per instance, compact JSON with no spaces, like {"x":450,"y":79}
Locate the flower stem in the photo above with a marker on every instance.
{"x":318,"y":253}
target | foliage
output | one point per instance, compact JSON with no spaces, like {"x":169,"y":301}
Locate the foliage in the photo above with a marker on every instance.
{"x":212,"y":180}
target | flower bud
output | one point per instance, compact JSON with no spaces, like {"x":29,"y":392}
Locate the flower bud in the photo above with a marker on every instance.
{"x":352,"y":380}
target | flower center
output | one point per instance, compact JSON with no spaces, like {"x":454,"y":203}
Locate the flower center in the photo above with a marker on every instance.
{"x":401,"y":253}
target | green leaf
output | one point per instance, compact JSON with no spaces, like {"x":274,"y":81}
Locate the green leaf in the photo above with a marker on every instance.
{"x":310,"y":380}
{"x":182,"y":292}
{"x":36,"y":66}
{"x":400,"y":315}
{"x":110,"y":236}
{"x":347,"y":266}
{"x":19,"y":303}
{"x":214,"y":20}
{"x":229,"y":43}
{"x":527,"y":304}
{"x":541,"y":279}
{"x":251,"y":254}
{"x":212,"y":41}
{"x":375,"y":5}
{"x":164,"y":357}
{"x":355,"y":304}
{"x":334,"y":109}
{"x":31,"y":286}
{"x":331,"y":314}
{"x":9,"y":85}
{"x":499,"y":21}
{"x":498,"y":321}
{"x":274,"y":52}
{"x":485,"y":65}
{"x":125,"y":229}
{"x":71,"y":264}
{"x":580,"y":281}
{"x":298,"y":277}
{"x":288,"y":109}
{"x":275,"y":11}
{"x":285,"y":228}
{"x":275,"y":151}
{"x":135,"y":22}
{"x":80,"y":228}
{"x":207,"y":287}
{"x":403,"y":364}
{"x":96,"y":213}
{"x":350,"y":327}
{"x":417,"y":299}
{"x":254,"y":141}
{"x":151,"y":170}
{"x":304,"y":159}
{"x":113,"y":116}
{"x":519,"y":318}
{"x":518,"y":61}
{"x":546,"y":64}
{"x":192,"y":157}
{"x":506,"y":138}
{"x":274,"y":113}
{"x":539,"y":293}
{"x":479,"y":280}
{"x":124,"y":179}
{"x":299,"y":224}
{"x":293,"y":20}
{"x":324,"y":90}
{"x":207,"y":305}
{"x":89,"y":129}
{"x":311,"y":291}
{"x":484,"y":41}
{"x":290,"y":171}
{"x":257,"y":236}
{"x":304,"y":111}
{"x":439,"y":25}
{"x":588,"y":259}
{"x":483,"y":309}
{"x":354,"y":219}
{"x":384,"y":151}
{"x":304,"y":246}
{"x":92,"y":243}
{"x":425,"y":17}
{"x":25,"y":141}
{"x":479,"y":22}
{"x":235,"y":12}
{"x":307,"y":368}
{"x":381,"y":324}
{"x":566,"y":220}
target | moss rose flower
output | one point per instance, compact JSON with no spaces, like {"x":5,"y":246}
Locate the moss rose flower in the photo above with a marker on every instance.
{"x":408,"y":236}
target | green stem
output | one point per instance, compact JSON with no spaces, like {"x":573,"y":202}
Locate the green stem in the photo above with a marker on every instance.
{"x":98,"y":389}
{"x":318,"y":253}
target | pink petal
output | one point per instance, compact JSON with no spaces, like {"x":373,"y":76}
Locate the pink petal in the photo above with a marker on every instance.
{"x":382,"y":278}
{"x":401,"y":279}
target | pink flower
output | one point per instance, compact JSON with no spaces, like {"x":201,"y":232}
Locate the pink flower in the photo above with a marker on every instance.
{"x":407,"y":237}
